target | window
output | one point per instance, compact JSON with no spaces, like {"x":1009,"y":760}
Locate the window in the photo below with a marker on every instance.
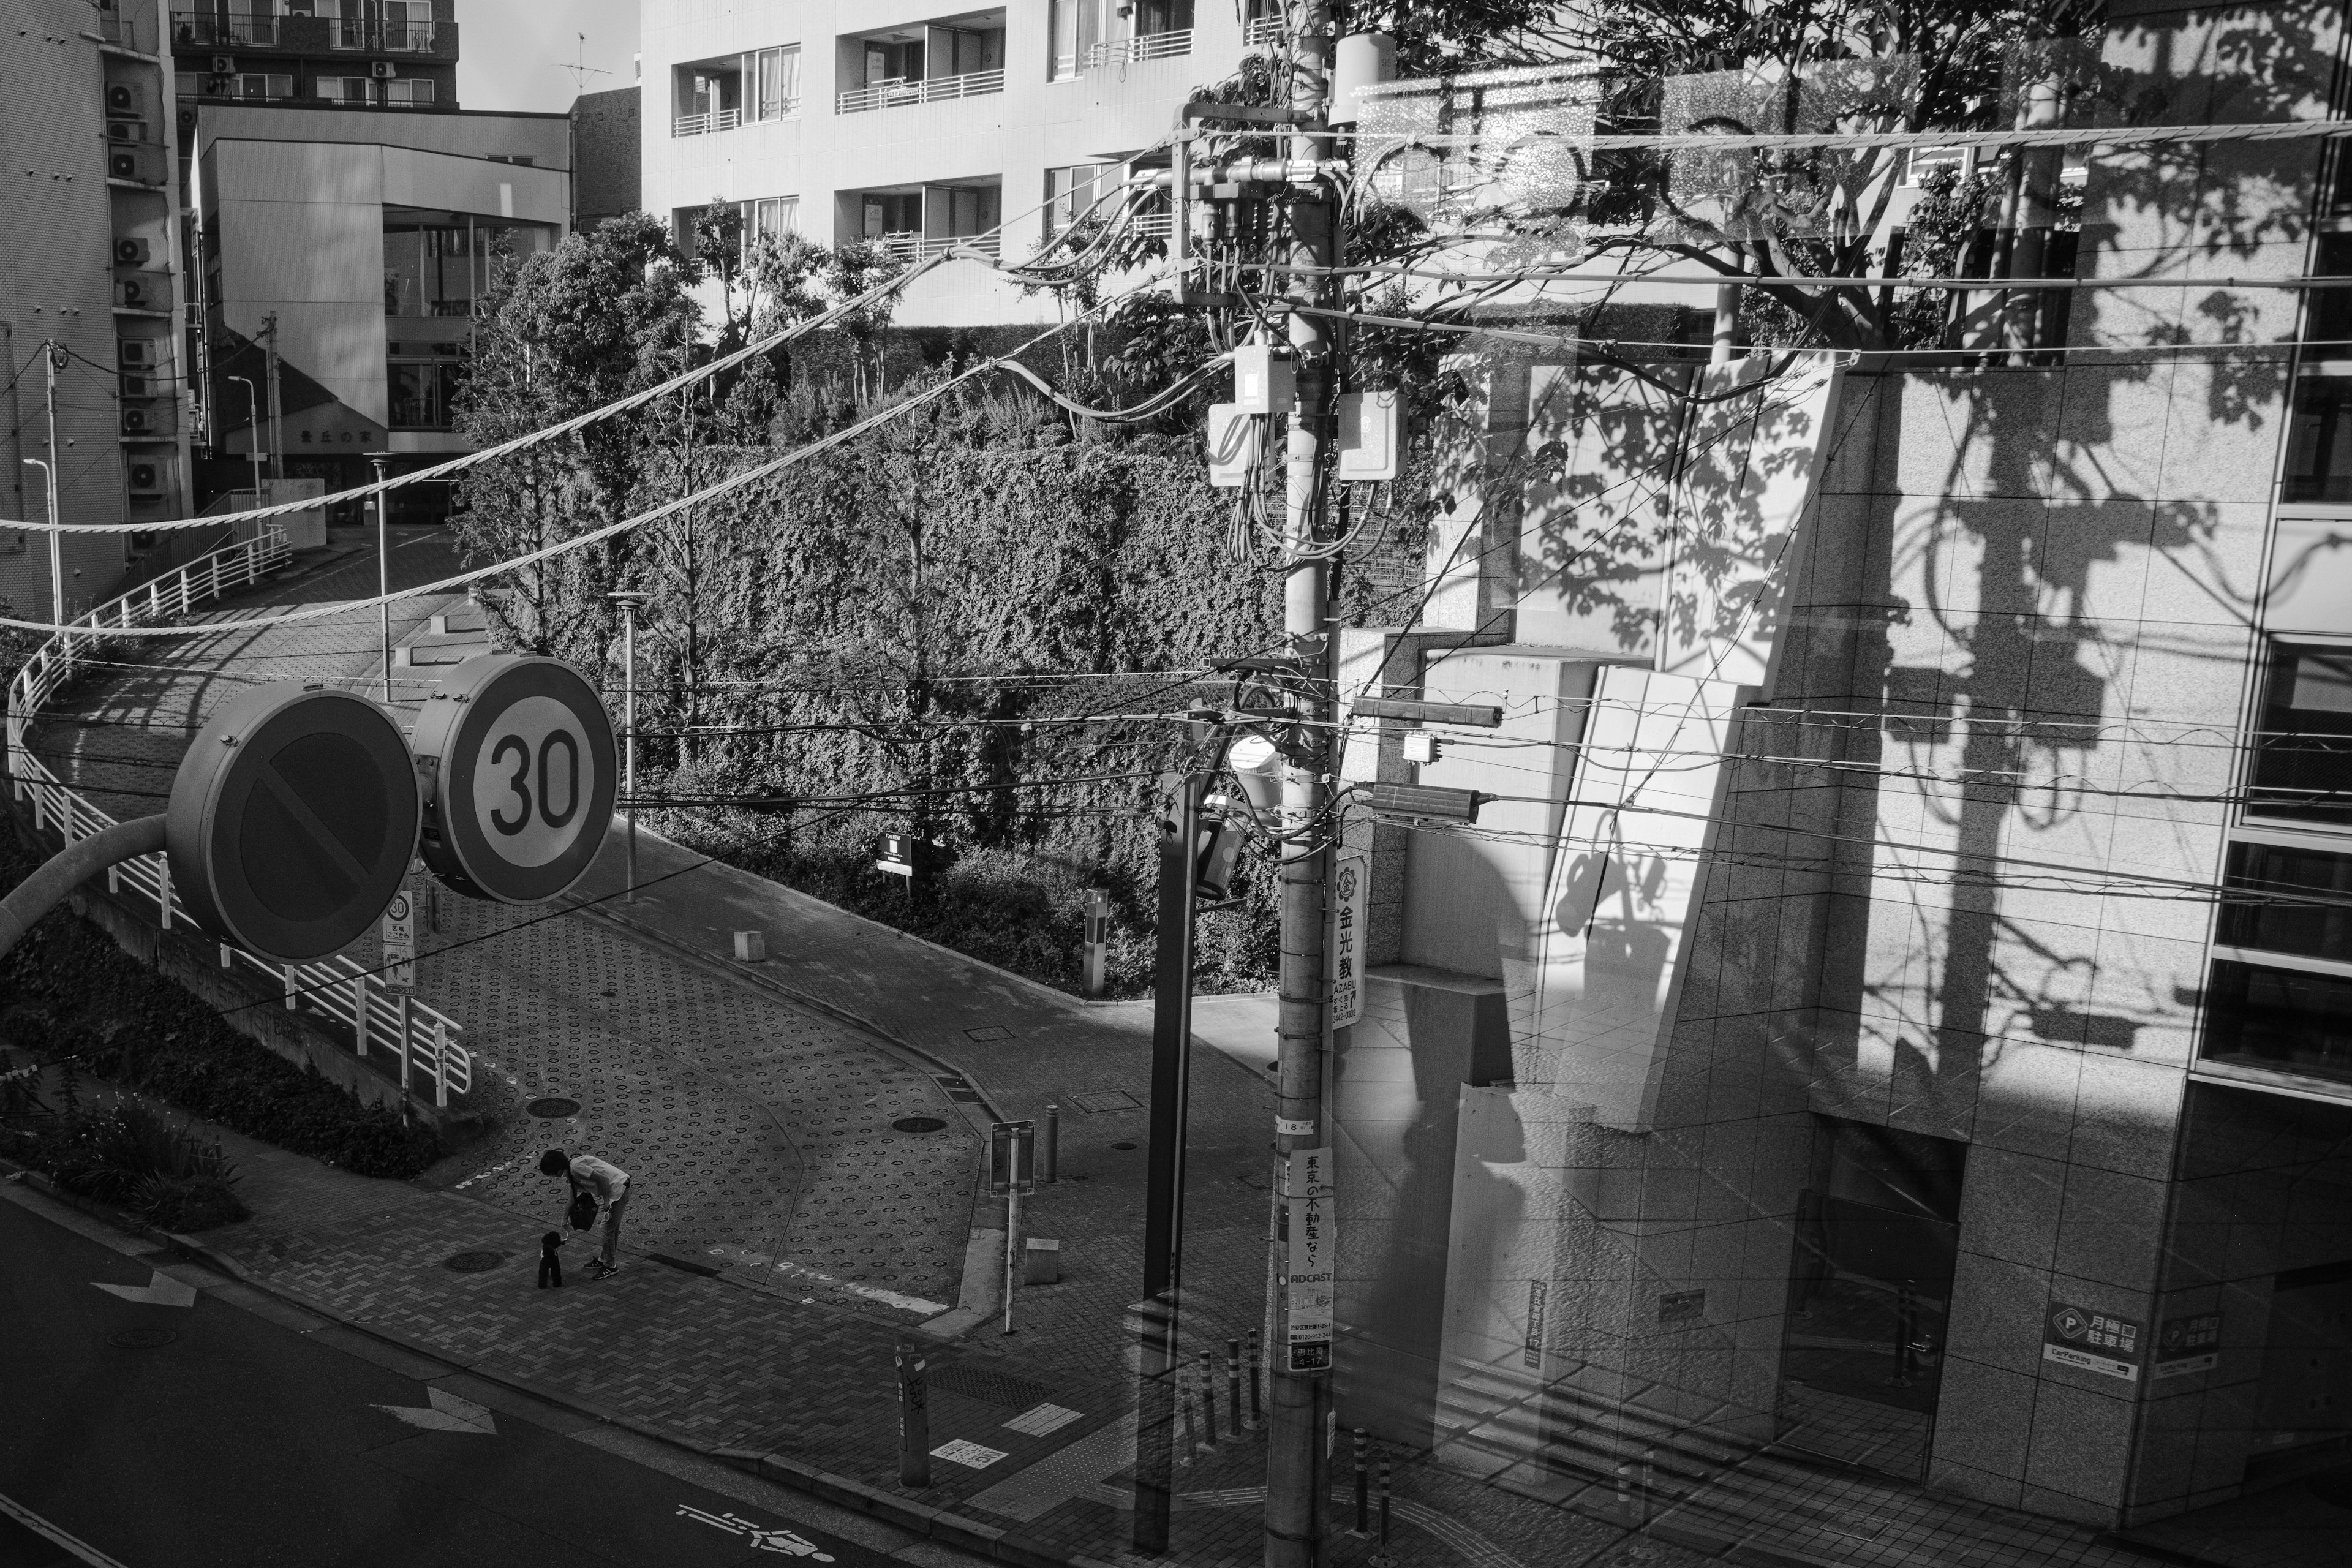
{"x":708,"y":98}
{"x":430,"y":271}
{"x":2265,"y":915}
{"x":407,"y":24}
{"x":888,"y":62}
{"x":1153,"y":17}
{"x":346,"y":89}
{"x":2303,"y":750}
{"x":2329,"y":319}
{"x":1077,"y":26}
{"x":775,"y":78}
{"x":1921,"y":162}
{"x":1070,"y":191}
{"x":773,"y":216}
{"x":409,"y":93}
{"x":420,"y":393}
{"x":960,"y":51}
{"x":2285,"y":1018}
{"x":2319,"y":440}
{"x":892,"y":212}
{"x":965,"y":210}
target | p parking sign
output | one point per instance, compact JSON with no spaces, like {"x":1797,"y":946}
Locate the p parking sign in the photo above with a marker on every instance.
{"x":517,"y":764}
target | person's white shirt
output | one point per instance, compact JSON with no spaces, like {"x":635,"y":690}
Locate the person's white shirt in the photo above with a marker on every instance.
{"x":607,"y":1180}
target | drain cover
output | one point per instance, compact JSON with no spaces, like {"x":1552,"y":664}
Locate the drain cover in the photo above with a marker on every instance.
{"x":919,"y":1124}
{"x":473,"y":1262}
{"x":554,"y":1108}
{"x":141,"y":1339}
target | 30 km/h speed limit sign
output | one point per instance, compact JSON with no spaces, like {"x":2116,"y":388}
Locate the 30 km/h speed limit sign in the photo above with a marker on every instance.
{"x":293,"y":818}
{"x":517,"y":761}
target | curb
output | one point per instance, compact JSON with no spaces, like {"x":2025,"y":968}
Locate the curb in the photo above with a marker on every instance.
{"x":920,"y":1519}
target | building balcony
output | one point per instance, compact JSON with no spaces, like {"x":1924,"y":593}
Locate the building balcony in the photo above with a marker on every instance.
{"x":312,"y":35}
{"x":1260,"y":31}
{"x":899,"y":90}
{"x":205,"y":30}
{"x":703,"y":125}
{"x":910,"y":247}
{"x":1144,"y":47}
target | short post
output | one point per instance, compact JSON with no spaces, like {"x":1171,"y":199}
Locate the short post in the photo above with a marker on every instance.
{"x":914,"y":1420}
{"x":164,"y":891}
{"x":402,"y":1054}
{"x":1095,"y":956}
{"x":1649,"y":1480}
{"x":1012,"y":1241}
{"x":1234,"y":1386}
{"x":1626,"y":1490}
{"x":1208,"y":1400}
{"x":1257,"y":1410}
{"x":228,"y":957}
{"x":1384,"y":1504}
{"x":359,"y":1030}
{"x":289,"y":988}
{"x":1363,"y":1484}
{"x":1049,"y":1145}
{"x":1184,"y":1408}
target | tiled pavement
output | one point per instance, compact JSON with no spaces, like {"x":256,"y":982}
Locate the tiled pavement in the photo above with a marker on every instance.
{"x":757,"y":1101}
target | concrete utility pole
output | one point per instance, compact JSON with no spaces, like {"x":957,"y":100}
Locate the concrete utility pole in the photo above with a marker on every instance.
{"x":1297,"y":1466}
{"x":277,"y":403}
{"x":383,"y":462}
{"x":53,"y":359}
{"x":629,"y":601}
{"x":253,"y":438}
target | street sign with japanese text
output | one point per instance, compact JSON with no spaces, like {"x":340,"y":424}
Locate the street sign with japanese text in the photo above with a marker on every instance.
{"x":400,"y":942}
{"x":1312,"y":1249}
{"x":1012,"y":1163}
{"x":1351,"y":891}
{"x":2093,"y":1341}
{"x":2185,"y":1345}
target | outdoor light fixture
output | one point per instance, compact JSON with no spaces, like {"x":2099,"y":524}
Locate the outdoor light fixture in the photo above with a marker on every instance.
{"x":1411,"y":711}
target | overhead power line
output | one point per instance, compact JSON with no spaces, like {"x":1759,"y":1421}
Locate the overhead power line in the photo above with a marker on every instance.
{"x":1711,"y":142}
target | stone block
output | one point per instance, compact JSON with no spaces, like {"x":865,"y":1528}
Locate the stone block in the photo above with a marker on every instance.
{"x":2125,"y":1112}
{"x":2026,"y":1104}
{"x":1996,"y":1313}
{"x":2112,"y":1228}
{"x":1984,"y":1416}
{"x":2010,"y":1206}
{"x":2080,"y":1447}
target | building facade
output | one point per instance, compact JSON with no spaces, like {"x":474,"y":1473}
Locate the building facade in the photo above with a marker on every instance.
{"x":1889,"y":1011}
{"x":911,"y":125}
{"x":389,"y":54}
{"x":88,"y":313}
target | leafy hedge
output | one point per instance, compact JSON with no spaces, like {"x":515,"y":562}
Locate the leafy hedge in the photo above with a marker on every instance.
{"x":67,"y":992}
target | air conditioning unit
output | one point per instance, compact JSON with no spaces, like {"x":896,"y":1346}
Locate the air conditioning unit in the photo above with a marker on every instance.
{"x":223,"y":65}
{"x":130,"y":253}
{"x":137,"y":421}
{"x":146,"y":475}
{"x":187,"y":121}
{"x":139,"y":387}
{"x":127,"y":163}
{"x":126,"y":131}
{"x":136,"y":352}
{"x":148,"y":293}
{"x":381,"y":69}
{"x":125,"y":98}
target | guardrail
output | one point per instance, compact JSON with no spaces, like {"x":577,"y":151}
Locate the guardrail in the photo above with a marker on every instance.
{"x":703,"y":125}
{"x":899,"y":90}
{"x":1261,"y":30}
{"x":914,"y":247}
{"x":1147,"y":47}
{"x":425,"y":1040}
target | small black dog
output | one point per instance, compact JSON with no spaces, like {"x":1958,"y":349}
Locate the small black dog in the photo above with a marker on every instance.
{"x":550,"y":1267}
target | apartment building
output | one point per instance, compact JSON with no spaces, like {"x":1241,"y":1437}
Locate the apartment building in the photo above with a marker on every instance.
{"x":913,"y":126}
{"x":345,"y":212}
{"x":1889,"y":1012}
{"x":88,"y":308}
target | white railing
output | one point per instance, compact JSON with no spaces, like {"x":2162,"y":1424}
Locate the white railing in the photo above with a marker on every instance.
{"x":703,"y":125}
{"x":911,"y":247}
{"x":336,"y":987}
{"x":1149,"y":46}
{"x":1259,"y":31}
{"x":898,"y":89}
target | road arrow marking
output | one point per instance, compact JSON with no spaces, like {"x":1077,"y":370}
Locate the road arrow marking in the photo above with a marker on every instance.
{"x":161,"y":1291}
{"x":447,"y":1413}
{"x":762,"y":1540}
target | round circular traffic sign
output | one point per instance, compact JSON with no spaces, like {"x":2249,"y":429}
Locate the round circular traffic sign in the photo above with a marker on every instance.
{"x":520,"y":774}
{"x":293,"y":819}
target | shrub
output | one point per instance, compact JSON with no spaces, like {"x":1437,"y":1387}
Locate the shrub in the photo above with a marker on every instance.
{"x":130,"y":1156}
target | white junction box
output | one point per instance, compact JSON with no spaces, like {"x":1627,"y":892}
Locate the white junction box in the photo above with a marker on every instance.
{"x":1237,"y":444}
{"x":1371,"y":432}
{"x":1262,"y":380}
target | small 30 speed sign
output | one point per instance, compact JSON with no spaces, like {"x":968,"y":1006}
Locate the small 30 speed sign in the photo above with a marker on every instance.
{"x":517,"y":764}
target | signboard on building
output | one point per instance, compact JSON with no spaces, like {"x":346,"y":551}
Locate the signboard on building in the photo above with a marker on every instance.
{"x":1351,"y":894}
{"x":1306,"y":1189}
{"x":2093,"y":1341}
{"x":1532,"y":1355}
{"x":2184,"y":1345}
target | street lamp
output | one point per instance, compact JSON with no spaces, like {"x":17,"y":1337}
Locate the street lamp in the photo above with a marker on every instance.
{"x":56,"y":558}
{"x":253,"y":441}
{"x":629,"y":599}
{"x":383,"y":461}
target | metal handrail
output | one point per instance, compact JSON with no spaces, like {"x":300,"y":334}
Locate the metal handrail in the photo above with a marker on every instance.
{"x":335,"y":986}
{"x":1260,"y":30}
{"x":911,"y":247}
{"x":1145,"y":47}
{"x":703,"y":125}
{"x":899,"y":90}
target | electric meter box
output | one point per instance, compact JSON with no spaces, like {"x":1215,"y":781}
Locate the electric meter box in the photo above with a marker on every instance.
{"x":1263,"y":382}
{"x":1370,"y":432}
{"x":1237,"y":446}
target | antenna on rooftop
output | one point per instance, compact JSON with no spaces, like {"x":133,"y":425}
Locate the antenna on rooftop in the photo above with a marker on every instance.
{"x":581,"y":69}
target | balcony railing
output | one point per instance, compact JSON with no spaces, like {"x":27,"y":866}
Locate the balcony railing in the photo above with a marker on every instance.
{"x":203,"y":30}
{"x":1149,"y":46}
{"x":898,"y":91}
{"x":415,"y":38}
{"x":1259,"y":31}
{"x":705,"y":123}
{"x":910,"y":247}
{"x":206,"y":30}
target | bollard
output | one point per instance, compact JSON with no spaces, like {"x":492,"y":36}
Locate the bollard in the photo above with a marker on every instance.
{"x":1234,"y":1386}
{"x":1095,"y":962}
{"x":914,"y":1420}
{"x":1184,"y":1407}
{"x":1626,"y":1490}
{"x":1257,"y":1412}
{"x":1208,"y":1400}
{"x":1049,"y":1146}
{"x":1384,"y":1503}
{"x":1363,"y":1485}
{"x":1649,"y":1480}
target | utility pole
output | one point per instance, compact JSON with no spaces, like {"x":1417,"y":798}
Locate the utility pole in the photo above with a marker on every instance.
{"x":628,"y":600}
{"x":53,"y":359}
{"x":277,"y":403}
{"x":383,"y":463}
{"x":1297,"y":1465}
{"x":253,"y":439}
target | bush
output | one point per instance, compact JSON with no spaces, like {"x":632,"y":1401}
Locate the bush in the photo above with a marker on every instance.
{"x":131,"y":1157}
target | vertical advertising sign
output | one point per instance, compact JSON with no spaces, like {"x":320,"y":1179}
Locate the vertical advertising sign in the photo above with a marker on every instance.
{"x":400,"y":942}
{"x":1351,"y":892}
{"x":1306,"y":1189}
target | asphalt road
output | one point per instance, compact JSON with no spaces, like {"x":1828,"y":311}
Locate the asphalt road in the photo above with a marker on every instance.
{"x":246,"y":1442}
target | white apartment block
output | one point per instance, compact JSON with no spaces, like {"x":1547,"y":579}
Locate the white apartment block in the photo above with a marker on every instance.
{"x":913,"y":124}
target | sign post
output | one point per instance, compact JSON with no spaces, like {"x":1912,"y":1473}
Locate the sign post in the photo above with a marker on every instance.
{"x":399,"y":977}
{"x":1351,"y":902}
{"x":1011,"y":1172}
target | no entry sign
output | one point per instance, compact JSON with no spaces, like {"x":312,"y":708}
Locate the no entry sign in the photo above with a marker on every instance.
{"x":517,"y":760}
{"x":293,"y":818}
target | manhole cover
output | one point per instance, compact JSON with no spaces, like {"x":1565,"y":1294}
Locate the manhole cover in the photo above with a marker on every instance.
{"x":988,"y":1388}
{"x":919,"y":1124}
{"x":141,"y":1339}
{"x":473,"y":1262}
{"x":1100,"y":1102}
{"x":554,"y":1108}
{"x":1122,"y":1145}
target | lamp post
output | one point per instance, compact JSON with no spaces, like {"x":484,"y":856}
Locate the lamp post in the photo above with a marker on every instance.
{"x":253,"y":443}
{"x":629,"y":600}
{"x":56,"y":573}
{"x":383,"y":461}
